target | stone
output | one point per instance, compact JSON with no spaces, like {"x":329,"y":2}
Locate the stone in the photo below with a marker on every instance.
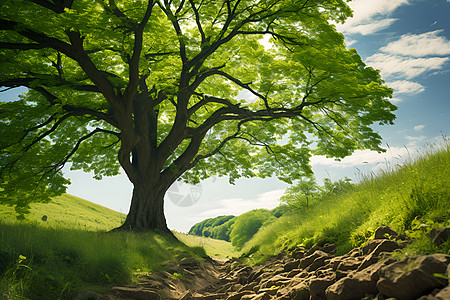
{"x":385,"y":232}
{"x":270,"y":291}
{"x":308,"y":260}
{"x":387,"y":246}
{"x":137,"y":293}
{"x":262,"y":296}
{"x":348,"y":264}
{"x":190,"y":263}
{"x":299,"y":292}
{"x":439,"y":235}
{"x":291,"y":265}
{"x":276,"y":280}
{"x":249,"y":287}
{"x":293,"y":273}
{"x":443,"y":294}
{"x":318,"y":263}
{"x":329,"y":248}
{"x":317,"y":287}
{"x":239,"y":295}
{"x":351,"y":288}
{"x":299,"y":253}
{"x":241,"y":275}
{"x":413,"y":277}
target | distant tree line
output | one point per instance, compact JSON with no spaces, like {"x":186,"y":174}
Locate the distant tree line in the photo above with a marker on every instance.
{"x":240,"y":229}
{"x":237,"y":229}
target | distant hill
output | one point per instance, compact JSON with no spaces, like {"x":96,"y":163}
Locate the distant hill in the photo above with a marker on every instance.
{"x":237,"y":230}
{"x":67,"y":211}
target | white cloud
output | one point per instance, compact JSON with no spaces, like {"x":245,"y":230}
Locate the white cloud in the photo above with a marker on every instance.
{"x":428,"y":43}
{"x":406,"y":87}
{"x":396,"y":100}
{"x":349,"y":42}
{"x":370,"y":28}
{"x":408,"y":67}
{"x":370,"y":16}
{"x":360,"y":157}
{"x":419,"y":127}
{"x":237,"y":206}
{"x":415,"y":138}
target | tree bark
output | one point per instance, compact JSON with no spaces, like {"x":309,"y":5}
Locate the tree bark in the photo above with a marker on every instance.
{"x":147,"y":209}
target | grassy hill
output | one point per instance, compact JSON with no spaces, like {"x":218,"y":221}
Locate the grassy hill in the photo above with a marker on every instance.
{"x":412,"y":198}
{"x":67,"y":211}
{"x":72,"y":250}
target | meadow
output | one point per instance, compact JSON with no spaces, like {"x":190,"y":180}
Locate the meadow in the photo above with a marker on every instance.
{"x":412,"y":197}
{"x":72,"y":250}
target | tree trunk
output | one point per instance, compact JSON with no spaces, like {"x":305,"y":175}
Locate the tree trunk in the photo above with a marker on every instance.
{"x":147,"y":209}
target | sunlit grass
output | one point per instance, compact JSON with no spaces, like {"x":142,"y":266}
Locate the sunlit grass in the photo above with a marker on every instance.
{"x":67,"y":211}
{"x":72,"y":250}
{"x":62,"y":261}
{"x":212,"y":247}
{"x":418,"y":190}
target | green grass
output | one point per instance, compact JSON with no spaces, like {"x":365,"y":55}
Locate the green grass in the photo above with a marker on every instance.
{"x":212,"y":247}
{"x":411,"y":198}
{"x":61,"y":261}
{"x":67,"y":211}
{"x":73,"y":251}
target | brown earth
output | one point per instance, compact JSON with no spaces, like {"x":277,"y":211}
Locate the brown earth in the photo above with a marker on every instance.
{"x":367,"y":272}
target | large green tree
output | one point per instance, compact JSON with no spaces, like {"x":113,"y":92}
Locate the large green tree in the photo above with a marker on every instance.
{"x":178,"y":90}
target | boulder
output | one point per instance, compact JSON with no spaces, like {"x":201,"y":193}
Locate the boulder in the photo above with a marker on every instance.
{"x":299,"y":253}
{"x":413,"y":277}
{"x":439,"y":235}
{"x":317,"y":287}
{"x":308,"y":260}
{"x":293,"y":273}
{"x":299,"y":292}
{"x":373,"y":256}
{"x":443,"y":294}
{"x":241,"y":275}
{"x":318,"y":263}
{"x":380,"y":245}
{"x":348,"y":264}
{"x":385,"y":232}
{"x":270,"y":291}
{"x":276,"y":280}
{"x":351,"y":288}
{"x":289,"y":266}
{"x":239,"y":295}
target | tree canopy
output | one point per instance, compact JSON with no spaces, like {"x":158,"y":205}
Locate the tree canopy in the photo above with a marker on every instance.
{"x":176,"y":89}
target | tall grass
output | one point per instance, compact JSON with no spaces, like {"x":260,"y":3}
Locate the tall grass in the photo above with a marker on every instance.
{"x":55,"y":263}
{"x":401,"y":196}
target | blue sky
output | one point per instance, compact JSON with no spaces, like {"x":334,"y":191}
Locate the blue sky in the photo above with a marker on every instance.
{"x":408,"y":40}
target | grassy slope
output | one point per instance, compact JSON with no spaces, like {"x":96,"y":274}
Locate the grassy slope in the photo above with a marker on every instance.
{"x":67,"y":211}
{"x":72,"y":251}
{"x":411,"y":198}
{"x":212,"y":247}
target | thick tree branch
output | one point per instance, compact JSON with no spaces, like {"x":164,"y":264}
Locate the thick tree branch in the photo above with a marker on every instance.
{"x":197,"y":21}
{"x":133,"y":77}
{"x":19,"y":46}
{"x":58,"y":6}
{"x":57,"y":167}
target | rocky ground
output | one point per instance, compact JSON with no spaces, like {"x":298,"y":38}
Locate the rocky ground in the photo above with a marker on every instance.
{"x":368,"y":272}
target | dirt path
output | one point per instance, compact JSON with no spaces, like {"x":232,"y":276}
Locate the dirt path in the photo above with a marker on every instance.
{"x":368,"y":272}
